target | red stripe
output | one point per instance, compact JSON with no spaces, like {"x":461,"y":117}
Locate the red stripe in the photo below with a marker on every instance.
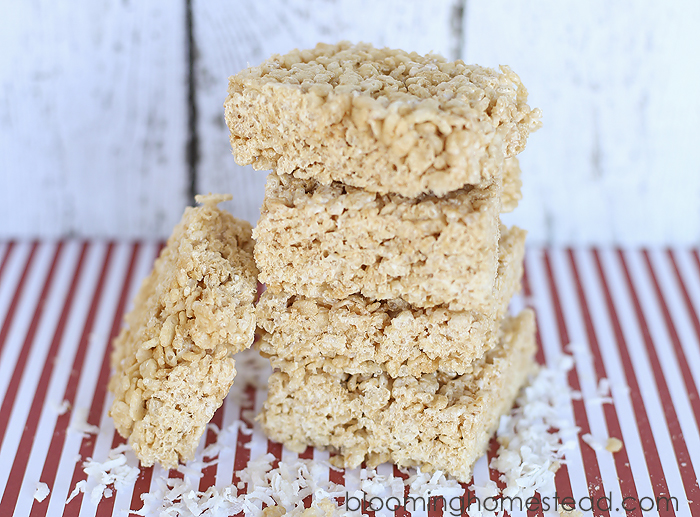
{"x":53,"y":455}
{"x":401,"y":510}
{"x":494,"y":474}
{"x":105,"y":508}
{"x":686,"y":297}
{"x":275,"y":449}
{"x":562,"y":480}
{"x":624,"y":471}
{"x":436,"y":506}
{"x":337,"y":476}
{"x":308,"y":454}
{"x":690,"y":386}
{"x":651,"y":453}
{"x":588,"y":455}
{"x":242,"y":456}
{"x":492,"y":453}
{"x":468,"y":497}
{"x":27,"y":346}
{"x":19,"y":289}
{"x":175,"y":474}
{"x":539,"y":357}
{"x":680,"y":448}
{"x":208,"y":478}
{"x":142,"y":486}
{"x":87,"y":445}
{"x":14,"y":482}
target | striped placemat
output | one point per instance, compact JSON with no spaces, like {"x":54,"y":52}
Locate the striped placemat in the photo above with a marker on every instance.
{"x":628,"y":316}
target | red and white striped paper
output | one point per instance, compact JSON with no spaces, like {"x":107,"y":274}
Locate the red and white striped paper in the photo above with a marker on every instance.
{"x":630,"y":316}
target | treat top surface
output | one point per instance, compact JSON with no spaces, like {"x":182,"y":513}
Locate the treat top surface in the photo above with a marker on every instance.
{"x":407,"y":80}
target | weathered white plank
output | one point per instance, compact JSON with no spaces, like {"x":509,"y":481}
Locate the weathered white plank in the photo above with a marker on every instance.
{"x":232,"y":35}
{"x":93,"y":118}
{"x":616,"y":159}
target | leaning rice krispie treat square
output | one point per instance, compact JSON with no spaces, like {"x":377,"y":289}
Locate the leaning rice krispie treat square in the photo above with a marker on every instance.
{"x":379,"y":119}
{"x":173,"y":359}
{"x":333,"y":241}
{"x":435,"y":421}
{"x":357,"y":335}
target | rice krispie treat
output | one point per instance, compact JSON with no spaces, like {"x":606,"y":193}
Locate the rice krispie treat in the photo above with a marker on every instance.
{"x":173,"y":360}
{"x":360,"y":336}
{"x":512,"y":185}
{"x":435,"y":421}
{"x":332,"y":241}
{"x":379,"y":119}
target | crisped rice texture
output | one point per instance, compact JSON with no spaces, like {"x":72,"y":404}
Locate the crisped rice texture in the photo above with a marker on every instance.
{"x":360,"y":336}
{"x":332,"y":241}
{"x":379,"y":119}
{"x":173,"y":358}
{"x":435,"y":421}
{"x":512,"y":185}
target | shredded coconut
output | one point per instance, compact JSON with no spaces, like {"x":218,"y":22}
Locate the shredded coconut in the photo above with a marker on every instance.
{"x":534,"y":437}
{"x":602,"y":395}
{"x":41,"y":491}
{"x":592,"y":442}
{"x":285,"y":486}
{"x":114,"y":471}
{"x":79,"y":487}
{"x":433,"y":484}
{"x":79,"y":423}
{"x":59,"y":409}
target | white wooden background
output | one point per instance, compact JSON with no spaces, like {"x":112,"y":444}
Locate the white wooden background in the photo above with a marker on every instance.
{"x":99,"y":101}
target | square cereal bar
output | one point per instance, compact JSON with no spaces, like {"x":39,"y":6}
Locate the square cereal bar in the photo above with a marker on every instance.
{"x":379,"y":119}
{"x":361,"y":336}
{"x":173,"y":359}
{"x":436,"y":421}
{"x":332,"y":241}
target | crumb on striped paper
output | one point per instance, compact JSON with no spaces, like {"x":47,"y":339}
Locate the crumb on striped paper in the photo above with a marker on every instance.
{"x":613,"y":445}
{"x":42,"y":491}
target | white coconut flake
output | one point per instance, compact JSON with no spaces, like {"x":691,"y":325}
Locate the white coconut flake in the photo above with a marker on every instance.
{"x":59,"y":409}
{"x":79,"y":423}
{"x":534,"y":437}
{"x":41,"y":491}
{"x":115,"y":471}
{"x":591,"y":441}
{"x":426,"y":485}
{"x":79,"y":488}
{"x":285,"y":486}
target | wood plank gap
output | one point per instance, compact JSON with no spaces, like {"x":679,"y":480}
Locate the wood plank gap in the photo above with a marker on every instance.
{"x":457,"y":24}
{"x":192,"y":113}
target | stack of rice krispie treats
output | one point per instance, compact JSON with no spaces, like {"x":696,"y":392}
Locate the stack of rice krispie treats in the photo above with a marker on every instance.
{"x":388,"y":270}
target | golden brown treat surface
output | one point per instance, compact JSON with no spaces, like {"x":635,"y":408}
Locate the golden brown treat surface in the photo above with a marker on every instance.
{"x":361,"y":336}
{"x":332,"y":241}
{"x":379,"y":119}
{"x":173,"y":358}
{"x":435,"y":421}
